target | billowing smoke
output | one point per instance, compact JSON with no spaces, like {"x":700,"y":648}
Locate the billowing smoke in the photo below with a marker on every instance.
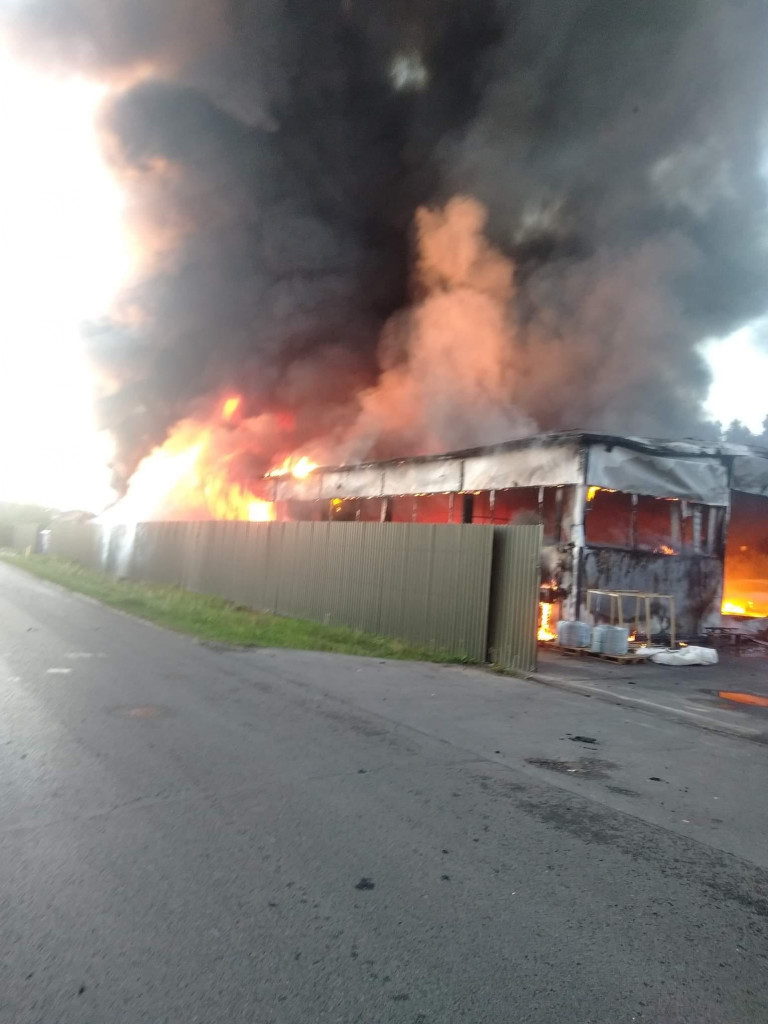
{"x":448,"y":375}
{"x":417,"y":224}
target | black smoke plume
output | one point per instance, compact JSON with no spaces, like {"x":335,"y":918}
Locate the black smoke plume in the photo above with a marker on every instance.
{"x":276,"y":152}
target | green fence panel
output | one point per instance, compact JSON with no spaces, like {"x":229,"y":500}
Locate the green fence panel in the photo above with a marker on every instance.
{"x":471,"y":590}
{"x":515,"y":583}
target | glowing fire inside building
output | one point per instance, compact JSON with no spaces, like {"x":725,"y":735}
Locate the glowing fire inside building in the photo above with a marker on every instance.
{"x":626,"y":514}
{"x":546,"y":631}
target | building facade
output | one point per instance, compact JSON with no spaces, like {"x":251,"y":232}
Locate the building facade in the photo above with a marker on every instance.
{"x":621,"y":513}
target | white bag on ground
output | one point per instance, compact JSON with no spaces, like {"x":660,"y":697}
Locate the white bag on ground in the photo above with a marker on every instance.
{"x":687,"y":656}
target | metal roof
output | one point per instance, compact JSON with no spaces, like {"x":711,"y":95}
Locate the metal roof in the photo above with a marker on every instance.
{"x":687,"y":447}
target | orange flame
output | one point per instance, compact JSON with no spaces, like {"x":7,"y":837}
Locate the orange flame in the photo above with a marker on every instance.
{"x":745,"y":597}
{"x":303,"y":468}
{"x":299,"y":467}
{"x":731,"y":608}
{"x":593,"y":491}
{"x":230,"y":408}
{"x":260,"y":511}
{"x":190,"y":476}
{"x":545,"y":632}
{"x":664,"y":549}
{"x":186,"y":478}
{"x":546,"y":610}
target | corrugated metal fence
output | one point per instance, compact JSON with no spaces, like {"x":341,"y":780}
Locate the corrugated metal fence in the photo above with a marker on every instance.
{"x":514,"y":604}
{"x":468,"y":589}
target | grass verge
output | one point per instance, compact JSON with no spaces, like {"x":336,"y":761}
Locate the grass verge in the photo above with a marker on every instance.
{"x":215,"y":620}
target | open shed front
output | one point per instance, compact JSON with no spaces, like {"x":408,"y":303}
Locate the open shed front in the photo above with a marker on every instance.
{"x":654,"y":522}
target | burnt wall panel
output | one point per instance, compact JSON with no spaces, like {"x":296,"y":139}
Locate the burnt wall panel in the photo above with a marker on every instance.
{"x":694,"y":581}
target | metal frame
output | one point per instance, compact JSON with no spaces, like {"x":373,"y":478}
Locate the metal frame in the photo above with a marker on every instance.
{"x":616,"y":608}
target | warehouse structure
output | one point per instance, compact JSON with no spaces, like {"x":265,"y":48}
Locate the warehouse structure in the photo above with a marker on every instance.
{"x":622,"y":513}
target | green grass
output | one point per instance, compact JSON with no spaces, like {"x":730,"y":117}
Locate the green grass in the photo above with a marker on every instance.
{"x":215,"y":620}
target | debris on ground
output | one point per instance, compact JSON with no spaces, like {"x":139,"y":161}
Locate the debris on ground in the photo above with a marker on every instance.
{"x":586,"y":767}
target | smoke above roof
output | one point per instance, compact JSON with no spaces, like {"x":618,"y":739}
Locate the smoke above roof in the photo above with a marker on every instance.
{"x":288,"y":161}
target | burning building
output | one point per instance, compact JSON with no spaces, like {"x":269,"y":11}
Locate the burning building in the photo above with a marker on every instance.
{"x":406,"y":227}
{"x":370,"y":231}
{"x":620,"y":513}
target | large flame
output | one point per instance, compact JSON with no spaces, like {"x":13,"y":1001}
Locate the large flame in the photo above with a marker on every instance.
{"x":188,"y":478}
{"x":732,"y":608}
{"x":546,"y":632}
{"x":298,"y":466}
{"x":546,"y":611}
{"x":737,"y":604}
{"x":192,"y":475}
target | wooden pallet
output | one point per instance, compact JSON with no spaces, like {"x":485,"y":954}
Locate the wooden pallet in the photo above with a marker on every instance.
{"x":632,"y":658}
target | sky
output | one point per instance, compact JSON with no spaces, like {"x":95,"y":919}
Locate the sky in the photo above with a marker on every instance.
{"x":739,"y":366}
{"x":64,"y":253}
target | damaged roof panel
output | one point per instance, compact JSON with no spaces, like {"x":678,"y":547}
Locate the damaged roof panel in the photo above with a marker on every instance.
{"x":666,"y":469}
{"x":423,"y":477}
{"x":703,"y":480}
{"x":532,"y":466}
{"x":750,"y":474}
{"x":363,"y":482}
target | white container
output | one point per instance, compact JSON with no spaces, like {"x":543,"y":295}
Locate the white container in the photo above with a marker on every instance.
{"x":597,"y":639}
{"x":615,"y":640}
{"x":583,"y":634}
{"x":574,"y":634}
{"x":565,"y":633}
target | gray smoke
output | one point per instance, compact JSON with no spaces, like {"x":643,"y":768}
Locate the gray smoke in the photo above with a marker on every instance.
{"x":277,"y":152}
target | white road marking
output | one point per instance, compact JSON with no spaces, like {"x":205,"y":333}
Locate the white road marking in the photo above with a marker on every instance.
{"x":58,"y":671}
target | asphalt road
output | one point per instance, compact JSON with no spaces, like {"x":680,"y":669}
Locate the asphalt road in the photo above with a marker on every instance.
{"x":189,"y":834}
